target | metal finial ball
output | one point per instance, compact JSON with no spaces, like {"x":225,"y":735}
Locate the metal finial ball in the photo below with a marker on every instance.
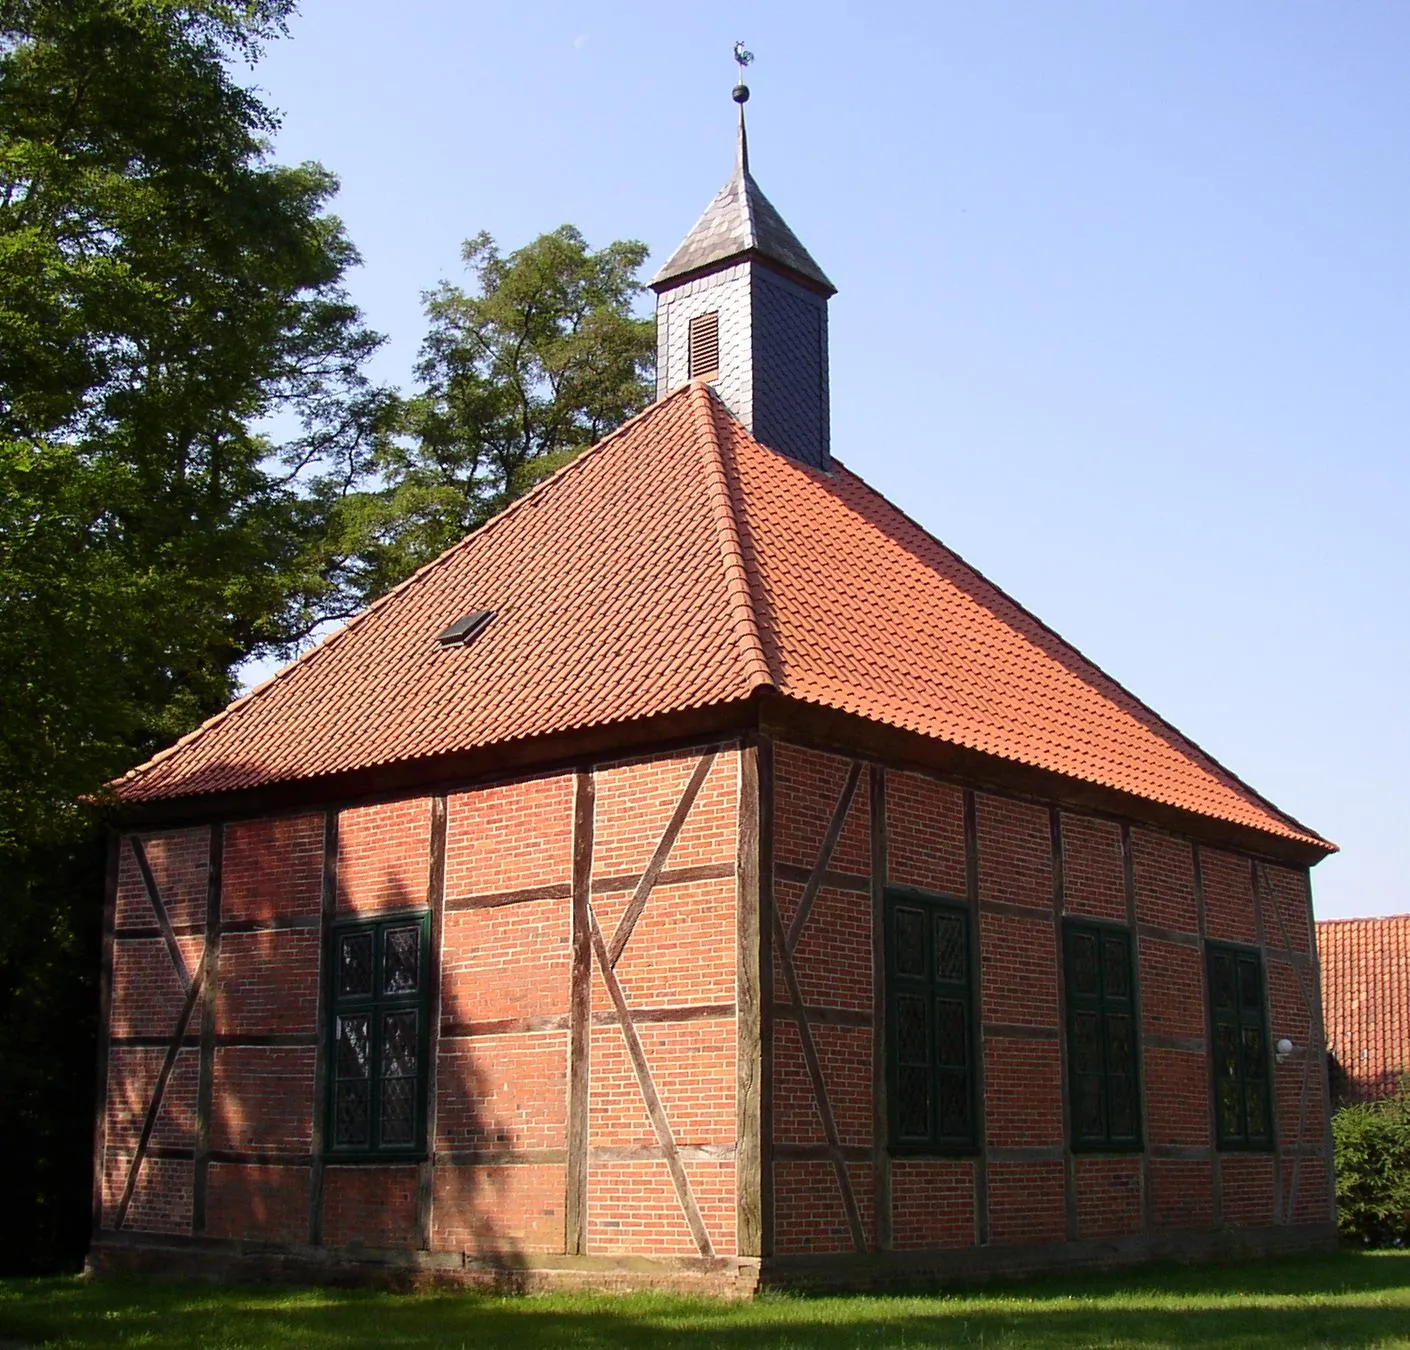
{"x":740,"y":93}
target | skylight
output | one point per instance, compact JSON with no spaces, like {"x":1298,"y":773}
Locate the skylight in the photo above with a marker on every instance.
{"x":466,"y":628}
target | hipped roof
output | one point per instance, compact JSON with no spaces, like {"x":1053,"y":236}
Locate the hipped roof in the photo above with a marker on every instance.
{"x":680,"y":565}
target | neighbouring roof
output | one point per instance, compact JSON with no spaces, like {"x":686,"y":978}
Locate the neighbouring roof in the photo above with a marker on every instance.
{"x":1366,"y":999}
{"x":680,"y":565}
{"x":741,"y":222}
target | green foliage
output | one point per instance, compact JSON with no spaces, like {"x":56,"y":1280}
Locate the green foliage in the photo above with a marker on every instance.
{"x":1372,"y":1143}
{"x":182,"y":404}
{"x":168,"y":298}
{"x":1322,"y":1299}
{"x":538,"y":362}
{"x":187,"y":436}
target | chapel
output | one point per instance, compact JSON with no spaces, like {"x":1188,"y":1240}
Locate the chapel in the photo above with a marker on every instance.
{"x":701,"y":876}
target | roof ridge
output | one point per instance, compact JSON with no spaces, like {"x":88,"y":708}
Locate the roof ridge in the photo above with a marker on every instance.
{"x":723,"y":511}
{"x":746,"y":201}
{"x":1306,"y":830}
{"x":324,"y":645}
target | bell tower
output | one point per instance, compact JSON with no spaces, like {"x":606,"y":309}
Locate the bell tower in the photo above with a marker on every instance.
{"x":742,"y":304}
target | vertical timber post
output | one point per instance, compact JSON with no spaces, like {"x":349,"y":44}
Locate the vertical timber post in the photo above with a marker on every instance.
{"x":579,"y":1018}
{"x":765,"y":769}
{"x":1069,"y":1163}
{"x":435,"y":902}
{"x":1271,"y":1070}
{"x":880,"y":1114}
{"x":748,"y":1011}
{"x":1216,"y":1168}
{"x":210,"y":991}
{"x":971,"y":889}
{"x":321,"y":1025}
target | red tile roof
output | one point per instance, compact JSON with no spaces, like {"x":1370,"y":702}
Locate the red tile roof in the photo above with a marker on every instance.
{"x":1366,"y":1000}
{"x":680,"y":565}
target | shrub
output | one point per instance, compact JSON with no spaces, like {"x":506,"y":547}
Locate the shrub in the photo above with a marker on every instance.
{"x":1372,"y":1143}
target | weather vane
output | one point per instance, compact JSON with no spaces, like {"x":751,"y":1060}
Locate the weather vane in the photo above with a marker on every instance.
{"x":743,"y":57}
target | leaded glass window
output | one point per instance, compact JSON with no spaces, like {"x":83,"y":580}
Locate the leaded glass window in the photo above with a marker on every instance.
{"x":1242,"y":1113}
{"x":1103,"y":1047}
{"x":377,"y":1064}
{"x":929,"y":1019}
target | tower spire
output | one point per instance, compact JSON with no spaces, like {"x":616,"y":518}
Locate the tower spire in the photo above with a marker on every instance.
{"x":742,"y":304}
{"x":743,"y":57}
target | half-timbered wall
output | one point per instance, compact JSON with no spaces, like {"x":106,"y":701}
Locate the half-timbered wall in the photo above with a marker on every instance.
{"x":842,"y":831}
{"x":584,"y":1051}
{"x":659,"y":1028}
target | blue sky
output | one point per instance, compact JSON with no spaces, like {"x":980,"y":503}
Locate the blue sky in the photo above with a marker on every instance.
{"x":1122,"y":311}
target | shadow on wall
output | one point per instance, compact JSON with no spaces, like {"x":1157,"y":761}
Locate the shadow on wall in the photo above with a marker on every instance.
{"x":262,"y":1173}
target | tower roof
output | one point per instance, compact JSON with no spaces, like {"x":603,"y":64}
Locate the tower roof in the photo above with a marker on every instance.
{"x":741,"y":222}
{"x":681,"y":566}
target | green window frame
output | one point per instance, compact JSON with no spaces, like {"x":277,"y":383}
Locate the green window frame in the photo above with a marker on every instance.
{"x":1103,"y":1038}
{"x":1238,"y":1038}
{"x":930,"y":1039}
{"x":379,"y":1037}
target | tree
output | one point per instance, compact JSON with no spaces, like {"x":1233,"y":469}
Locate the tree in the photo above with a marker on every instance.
{"x":169,"y":299}
{"x":538,"y":362}
{"x":183,"y":404}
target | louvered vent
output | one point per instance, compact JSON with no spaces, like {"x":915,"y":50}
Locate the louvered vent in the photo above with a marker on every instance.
{"x":705,"y":345}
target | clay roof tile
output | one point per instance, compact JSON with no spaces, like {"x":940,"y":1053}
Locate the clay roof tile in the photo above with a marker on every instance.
{"x":681,"y":565}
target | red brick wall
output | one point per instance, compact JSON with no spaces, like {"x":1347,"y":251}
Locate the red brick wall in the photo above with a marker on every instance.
{"x":179,"y":860}
{"x":262,"y":1095}
{"x":932,"y":1203}
{"x":506,"y":973}
{"x":681,"y":954}
{"x":1023,"y":1087}
{"x":1028,"y":1186}
{"x":924,"y":834}
{"x":501,"y":1092}
{"x":510,"y":837}
{"x":1109,"y":1192}
{"x":272,"y":869}
{"x":1093,"y":884}
{"x":147,"y":999}
{"x":260,"y":1203}
{"x":1026,"y":1203}
{"x":833,"y":965}
{"x":262,"y":1100}
{"x":1228,"y":897}
{"x":369,"y":1206}
{"x":384,"y":855}
{"x":502,"y":1069}
{"x":499,"y":1212}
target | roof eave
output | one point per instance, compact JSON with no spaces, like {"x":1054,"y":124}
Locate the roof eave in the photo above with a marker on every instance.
{"x":453,"y":770}
{"x":766,"y":710}
{"x":831,"y":729}
{"x":665,"y":280}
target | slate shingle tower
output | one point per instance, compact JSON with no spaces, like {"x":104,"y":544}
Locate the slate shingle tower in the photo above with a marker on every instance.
{"x":742,"y":302}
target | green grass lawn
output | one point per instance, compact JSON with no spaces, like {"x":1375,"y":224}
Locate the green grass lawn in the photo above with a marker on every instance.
{"x":1346,"y":1299}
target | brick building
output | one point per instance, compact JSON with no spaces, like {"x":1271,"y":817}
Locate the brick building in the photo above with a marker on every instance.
{"x":702,"y":874}
{"x":1366,"y":993}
